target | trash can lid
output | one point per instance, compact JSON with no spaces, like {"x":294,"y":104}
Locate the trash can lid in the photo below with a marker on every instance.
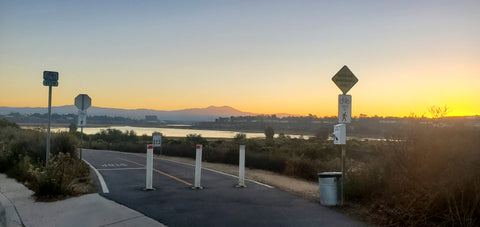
{"x":329,"y":174}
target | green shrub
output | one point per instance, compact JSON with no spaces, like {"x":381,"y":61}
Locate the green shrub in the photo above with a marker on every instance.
{"x":19,"y":170}
{"x":24,"y":159}
{"x":364,"y":184}
{"x":129,"y":147}
{"x":179,"y":149}
{"x":63,"y":143}
{"x":29,"y":142}
{"x":264,"y":161}
{"x":240,"y":138}
{"x":58,"y":176}
{"x":303,"y":168}
{"x":4,"y":123}
{"x":7,"y":160}
{"x":195,"y":139}
{"x":98,"y":144}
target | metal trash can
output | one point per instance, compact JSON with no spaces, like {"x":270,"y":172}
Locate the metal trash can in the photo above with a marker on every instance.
{"x":330,"y":184}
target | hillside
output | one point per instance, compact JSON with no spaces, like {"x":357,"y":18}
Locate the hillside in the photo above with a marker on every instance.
{"x":194,"y":114}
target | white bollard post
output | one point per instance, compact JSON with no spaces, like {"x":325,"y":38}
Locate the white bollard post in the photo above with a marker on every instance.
{"x":241,"y":167}
{"x":149,"y":168}
{"x":198,"y":167}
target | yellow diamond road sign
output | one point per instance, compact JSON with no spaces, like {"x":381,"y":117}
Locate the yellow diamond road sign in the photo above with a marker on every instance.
{"x":345,"y":79}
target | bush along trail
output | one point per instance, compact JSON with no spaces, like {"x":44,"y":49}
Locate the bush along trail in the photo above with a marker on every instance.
{"x":23,"y":157}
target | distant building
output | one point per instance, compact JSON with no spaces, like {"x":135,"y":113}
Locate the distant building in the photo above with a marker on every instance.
{"x":152,"y":118}
{"x":222,"y":120}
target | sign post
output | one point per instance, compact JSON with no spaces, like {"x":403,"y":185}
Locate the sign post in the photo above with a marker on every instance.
{"x":49,"y":79}
{"x":82,"y":102}
{"x":345,"y":80}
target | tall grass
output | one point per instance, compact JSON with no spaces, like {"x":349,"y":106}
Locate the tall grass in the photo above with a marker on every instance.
{"x":426,"y":176}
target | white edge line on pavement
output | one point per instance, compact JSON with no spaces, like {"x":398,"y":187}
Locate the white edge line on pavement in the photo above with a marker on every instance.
{"x":121,"y":169}
{"x":256,"y":182}
{"x":215,"y":171}
{"x":100,"y":178}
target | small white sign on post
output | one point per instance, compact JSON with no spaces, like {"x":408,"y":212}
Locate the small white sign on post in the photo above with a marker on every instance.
{"x":149,"y":174}
{"x":344,"y":109}
{"x":82,"y":118}
{"x":198,"y":167}
{"x":339,"y":134}
{"x":157,"y":139}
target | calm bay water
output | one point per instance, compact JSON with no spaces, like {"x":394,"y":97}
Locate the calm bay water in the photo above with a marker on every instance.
{"x":173,"y":132}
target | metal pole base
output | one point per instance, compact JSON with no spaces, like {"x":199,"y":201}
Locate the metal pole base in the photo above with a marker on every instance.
{"x":149,"y":189}
{"x":240,"y":186}
{"x":197,"y":188}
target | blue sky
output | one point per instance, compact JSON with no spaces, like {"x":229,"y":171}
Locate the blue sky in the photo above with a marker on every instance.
{"x":257,"y":56}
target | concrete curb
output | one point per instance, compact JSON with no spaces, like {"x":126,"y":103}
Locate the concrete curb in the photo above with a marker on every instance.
{"x":8,"y":213}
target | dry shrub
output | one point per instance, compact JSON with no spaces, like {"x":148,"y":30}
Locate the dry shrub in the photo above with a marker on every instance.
{"x":430,"y":176}
{"x":24,"y":159}
{"x":59,"y":176}
{"x":64,"y":142}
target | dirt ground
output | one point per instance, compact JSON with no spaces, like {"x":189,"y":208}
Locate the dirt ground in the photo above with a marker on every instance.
{"x":306,"y":189}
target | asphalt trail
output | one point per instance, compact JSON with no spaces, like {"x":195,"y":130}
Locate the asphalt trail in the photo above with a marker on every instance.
{"x":219,"y":203}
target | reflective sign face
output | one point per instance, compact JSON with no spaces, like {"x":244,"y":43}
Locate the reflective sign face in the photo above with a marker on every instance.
{"x":339,"y":134}
{"x":345,"y":79}
{"x":82,"y":118}
{"x":344,"y":109}
{"x":50,"y":78}
{"x":157,"y":139}
{"x":50,"y":83}
{"x":49,"y":75}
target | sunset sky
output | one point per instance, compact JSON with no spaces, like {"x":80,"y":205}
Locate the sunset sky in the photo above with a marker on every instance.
{"x":256,"y":56}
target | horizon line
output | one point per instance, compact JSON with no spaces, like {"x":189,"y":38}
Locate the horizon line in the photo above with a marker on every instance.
{"x":265,"y":114}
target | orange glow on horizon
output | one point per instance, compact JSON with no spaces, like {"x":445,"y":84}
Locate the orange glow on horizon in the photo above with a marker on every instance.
{"x":406,"y":59}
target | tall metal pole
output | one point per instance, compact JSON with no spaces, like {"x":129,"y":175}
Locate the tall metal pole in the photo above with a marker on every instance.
{"x":49,"y":120}
{"x":81,"y":135}
{"x":81,"y":142}
{"x":344,"y":150}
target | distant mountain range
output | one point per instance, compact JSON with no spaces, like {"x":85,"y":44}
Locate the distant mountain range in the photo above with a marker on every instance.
{"x":195,"y":114}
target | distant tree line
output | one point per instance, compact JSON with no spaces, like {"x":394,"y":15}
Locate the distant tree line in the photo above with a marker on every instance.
{"x":362,"y":126}
{"x":37,"y":118}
